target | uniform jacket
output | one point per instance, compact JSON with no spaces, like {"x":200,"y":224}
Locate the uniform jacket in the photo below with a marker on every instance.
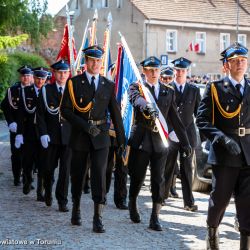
{"x":26,"y":122}
{"x":187,"y":106}
{"x":9,"y":112}
{"x":142,"y":137}
{"x":104,"y":102}
{"x":50,"y":124}
{"x":229,"y":100}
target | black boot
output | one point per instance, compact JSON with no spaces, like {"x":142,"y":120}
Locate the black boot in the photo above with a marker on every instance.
{"x":173,"y":192}
{"x":244,"y":242}
{"x":154,"y":223}
{"x":133,"y":210}
{"x":97,"y":219}
{"x":76,"y":214}
{"x":39,"y":191}
{"x":212,"y":238}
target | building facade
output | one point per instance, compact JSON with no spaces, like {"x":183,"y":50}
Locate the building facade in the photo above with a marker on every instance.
{"x":197,"y":30}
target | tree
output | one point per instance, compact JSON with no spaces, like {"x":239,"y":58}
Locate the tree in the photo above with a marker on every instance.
{"x":27,"y":16}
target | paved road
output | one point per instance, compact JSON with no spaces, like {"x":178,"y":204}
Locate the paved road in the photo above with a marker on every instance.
{"x":28,"y":224}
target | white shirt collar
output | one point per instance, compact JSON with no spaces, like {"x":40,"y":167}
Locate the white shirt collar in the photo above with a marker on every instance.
{"x":178,"y":86}
{"x":58,"y":86}
{"x":234,"y":82}
{"x":37,"y":90}
{"x":157,"y":88}
{"x":89,"y":76}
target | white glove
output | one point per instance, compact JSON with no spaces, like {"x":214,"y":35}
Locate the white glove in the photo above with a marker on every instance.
{"x":173,"y":137}
{"x":13,"y":127}
{"x":18,"y":140}
{"x":45,"y":139}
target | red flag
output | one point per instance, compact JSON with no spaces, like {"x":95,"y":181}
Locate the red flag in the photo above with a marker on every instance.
{"x":64,"y":52}
{"x":197,"y":47}
{"x":190,"y":46}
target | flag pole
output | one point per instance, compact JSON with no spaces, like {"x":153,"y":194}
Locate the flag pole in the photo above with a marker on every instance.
{"x":79,"y":55}
{"x":93,"y":31}
{"x":106,"y":45}
{"x":70,"y":42}
{"x":145,"y":92}
{"x":237,"y":24}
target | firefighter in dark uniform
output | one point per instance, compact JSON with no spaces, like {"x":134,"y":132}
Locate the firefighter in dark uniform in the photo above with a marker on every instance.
{"x":27,"y":133}
{"x":167,"y":77}
{"x":54,"y":134}
{"x":187,"y":101}
{"x":86,"y":102}
{"x":224,"y":118}
{"x":9,"y":106}
{"x":145,"y":141}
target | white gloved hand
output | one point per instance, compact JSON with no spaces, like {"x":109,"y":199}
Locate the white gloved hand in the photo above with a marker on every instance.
{"x":13,"y":127}
{"x":45,"y":139}
{"x":173,"y":137}
{"x":18,"y":140}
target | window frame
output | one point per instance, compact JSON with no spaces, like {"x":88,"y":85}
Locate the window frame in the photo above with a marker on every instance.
{"x":168,"y":39}
{"x":245,"y":38}
{"x":200,"y":40}
{"x":222,"y":47}
{"x":105,"y":3}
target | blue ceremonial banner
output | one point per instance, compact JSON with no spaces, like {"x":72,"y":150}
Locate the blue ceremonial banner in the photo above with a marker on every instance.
{"x":126,"y":77}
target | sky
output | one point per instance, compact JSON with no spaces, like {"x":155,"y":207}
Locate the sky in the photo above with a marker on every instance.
{"x":55,"y":5}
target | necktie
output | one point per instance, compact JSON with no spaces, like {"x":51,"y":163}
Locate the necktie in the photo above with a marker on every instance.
{"x":60,"y":92}
{"x":238,"y":87}
{"x":152,"y":90}
{"x":93,"y":84}
{"x":180,"y":89}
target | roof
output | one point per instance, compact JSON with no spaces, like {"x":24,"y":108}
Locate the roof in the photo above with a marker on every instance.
{"x":196,"y":11}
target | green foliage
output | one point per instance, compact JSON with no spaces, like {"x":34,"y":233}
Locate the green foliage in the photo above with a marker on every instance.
{"x":9,"y":63}
{"x":12,"y":42}
{"x":28,"y":16}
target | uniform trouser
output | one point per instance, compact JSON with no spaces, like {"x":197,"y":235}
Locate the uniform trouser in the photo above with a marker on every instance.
{"x":57,"y":155}
{"x":98,"y":168}
{"x":185,"y":171}
{"x":120,"y":174}
{"x":33,"y":154}
{"x":226,"y":181}
{"x":16,"y":158}
{"x":138,"y":162}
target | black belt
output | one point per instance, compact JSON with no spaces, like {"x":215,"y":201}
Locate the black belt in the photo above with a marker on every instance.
{"x":96,"y":123}
{"x":241,"y":131}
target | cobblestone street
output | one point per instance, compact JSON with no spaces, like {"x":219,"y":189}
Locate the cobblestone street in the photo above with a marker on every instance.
{"x":29,"y":224}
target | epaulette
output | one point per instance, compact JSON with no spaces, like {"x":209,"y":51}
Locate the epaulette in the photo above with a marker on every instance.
{"x":169,"y":86}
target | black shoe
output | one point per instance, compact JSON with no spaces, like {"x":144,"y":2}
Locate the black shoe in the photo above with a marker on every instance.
{"x":133,"y":212}
{"x":48,"y":200}
{"x":98,"y":227}
{"x":154,"y":223}
{"x":17,"y":182}
{"x":76,"y":216}
{"x":63,"y":208}
{"x":122,"y":205}
{"x":26,"y":188}
{"x":40,"y":197}
{"x":191,"y":208}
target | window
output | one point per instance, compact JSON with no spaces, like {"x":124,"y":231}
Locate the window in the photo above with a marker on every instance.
{"x":119,"y":4}
{"x":171,"y":40}
{"x":105,"y":3}
{"x":77,"y":4}
{"x":90,"y":4}
{"x":201,"y":42}
{"x":242,"y":39}
{"x":224,"y":41}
